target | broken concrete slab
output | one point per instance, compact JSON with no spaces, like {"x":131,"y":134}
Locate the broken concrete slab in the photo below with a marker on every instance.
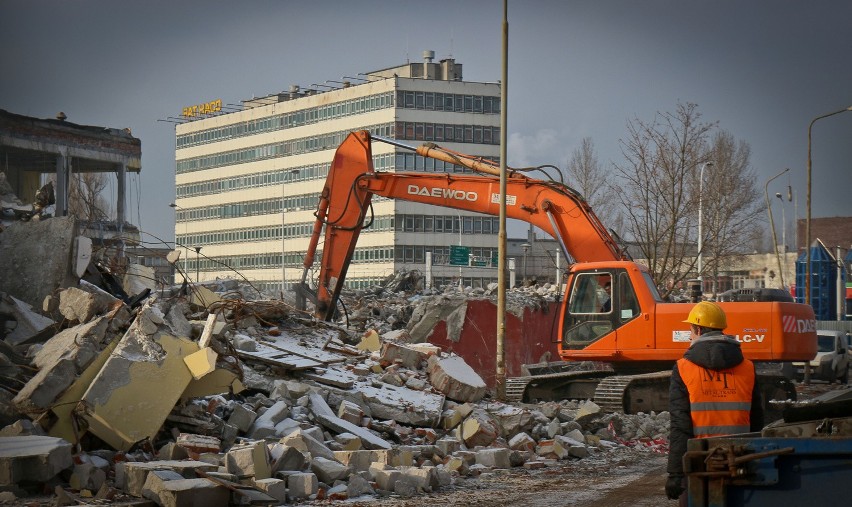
{"x":430,"y":312}
{"x":78,"y":305}
{"x":33,"y":458}
{"x":28,"y":322}
{"x":456,"y":379}
{"x":117,"y":406}
{"x":403,"y":405}
{"x":326,"y":417}
{"x":45,"y":387}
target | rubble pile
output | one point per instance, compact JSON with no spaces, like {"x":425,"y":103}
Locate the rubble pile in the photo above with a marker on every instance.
{"x":235,"y":401}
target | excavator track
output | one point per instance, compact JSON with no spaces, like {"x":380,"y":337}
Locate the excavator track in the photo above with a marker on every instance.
{"x":567,"y":385}
{"x":634,"y":393}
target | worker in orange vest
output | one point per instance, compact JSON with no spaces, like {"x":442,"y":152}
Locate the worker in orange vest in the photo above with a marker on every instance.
{"x":712,"y":391}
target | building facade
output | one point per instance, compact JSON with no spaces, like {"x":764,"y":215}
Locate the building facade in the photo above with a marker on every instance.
{"x":248,"y":178}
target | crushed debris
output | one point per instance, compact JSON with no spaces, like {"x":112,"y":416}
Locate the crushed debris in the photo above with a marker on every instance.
{"x":116,"y":392}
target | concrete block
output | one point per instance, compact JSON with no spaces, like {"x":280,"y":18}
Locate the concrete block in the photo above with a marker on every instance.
{"x":370,"y":342}
{"x":522,"y":442}
{"x":276,"y":488}
{"x":385,"y":477}
{"x":197,"y":444}
{"x":133,"y":474}
{"x":358,"y":486}
{"x":493,"y":458}
{"x":307,"y":444}
{"x":186,"y":492}
{"x":264,"y":425}
{"x":478,"y":429}
{"x":457,"y":464}
{"x":329,"y":470}
{"x":302,"y":485}
{"x":448,"y":445}
{"x":249,"y":460}
{"x":351,"y":412}
{"x":78,"y":305}
{"x":456,"y":379}
{"x":242,"y":417}
{"x":348,"y":441}
{"x":551,"y":449}
{"x":34,"y":458}
{"x":286,"y":458}
{"x":424,"y":477}
{"x":202,"y":297}
{"x":359,"y":461}
{"x":396,"y":352}
{"x":202,"y":362}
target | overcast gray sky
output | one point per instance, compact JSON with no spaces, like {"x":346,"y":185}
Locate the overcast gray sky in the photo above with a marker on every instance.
{"x":763,"y":69}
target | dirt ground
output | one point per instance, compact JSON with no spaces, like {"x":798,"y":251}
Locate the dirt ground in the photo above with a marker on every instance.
{"x":618,"y":478}
{"x":622,"y":477}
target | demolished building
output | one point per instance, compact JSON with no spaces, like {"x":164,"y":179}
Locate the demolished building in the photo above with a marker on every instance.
{"x":212,"y":391}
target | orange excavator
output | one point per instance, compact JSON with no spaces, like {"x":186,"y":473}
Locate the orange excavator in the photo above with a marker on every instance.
{"x":633,"y":331}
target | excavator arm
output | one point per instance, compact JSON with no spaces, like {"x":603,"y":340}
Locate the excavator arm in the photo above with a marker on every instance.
{"x":352,"y":181}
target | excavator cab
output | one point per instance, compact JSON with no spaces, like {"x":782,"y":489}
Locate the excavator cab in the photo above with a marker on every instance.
{"x":599,"y":303}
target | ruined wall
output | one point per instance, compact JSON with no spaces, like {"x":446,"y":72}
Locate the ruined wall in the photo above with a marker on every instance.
{"x":35,"y":258}
{"x":526,"y":341}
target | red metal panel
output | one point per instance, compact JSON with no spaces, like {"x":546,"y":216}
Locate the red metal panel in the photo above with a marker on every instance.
{"x":528,"y":340}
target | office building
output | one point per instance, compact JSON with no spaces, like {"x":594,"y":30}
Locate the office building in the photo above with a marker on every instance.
{"x":248,"y":176}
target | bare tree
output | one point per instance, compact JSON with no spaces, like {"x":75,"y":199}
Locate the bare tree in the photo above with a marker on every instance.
{"x":587,"y":176}
{"x":85,"y":196}
{"x":732,"y":207}
{"x":662,"y":157}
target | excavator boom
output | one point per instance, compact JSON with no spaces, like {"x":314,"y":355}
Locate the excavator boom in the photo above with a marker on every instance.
{"x":352,"y":181}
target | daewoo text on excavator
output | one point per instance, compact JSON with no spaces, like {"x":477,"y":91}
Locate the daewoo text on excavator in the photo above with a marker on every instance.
{"x":637,"y":334}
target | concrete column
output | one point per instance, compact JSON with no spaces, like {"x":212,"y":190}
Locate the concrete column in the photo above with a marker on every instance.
{"x":61,"y":185}
{"x":121,"y":175}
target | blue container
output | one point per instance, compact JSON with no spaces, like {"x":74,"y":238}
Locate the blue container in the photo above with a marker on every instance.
{"x":823,"y":282}
{"x":777,"y":472}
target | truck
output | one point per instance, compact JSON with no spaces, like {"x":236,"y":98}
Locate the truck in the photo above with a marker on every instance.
{"x":832,"y":360}
{"x":639,"y":336}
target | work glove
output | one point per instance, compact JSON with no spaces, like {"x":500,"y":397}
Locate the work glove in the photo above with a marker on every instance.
{"x":674,"y":486}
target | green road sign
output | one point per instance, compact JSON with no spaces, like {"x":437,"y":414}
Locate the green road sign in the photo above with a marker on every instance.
{"x":459,"y":255}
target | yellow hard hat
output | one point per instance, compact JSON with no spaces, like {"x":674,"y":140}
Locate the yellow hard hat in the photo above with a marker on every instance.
{"x":707,"y":314}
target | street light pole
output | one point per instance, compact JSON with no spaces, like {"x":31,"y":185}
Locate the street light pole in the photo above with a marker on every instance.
{"x":526,"y":247}
{"x":772,"y":223}
{"x":783,"y":224}
{"x":197,"y":262}
{"x":700,"y":217}
{"x":176,"y":207}
{"x":808,"y":219}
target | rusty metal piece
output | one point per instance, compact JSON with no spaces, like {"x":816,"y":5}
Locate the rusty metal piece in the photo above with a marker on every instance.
{"x":727,"y":460}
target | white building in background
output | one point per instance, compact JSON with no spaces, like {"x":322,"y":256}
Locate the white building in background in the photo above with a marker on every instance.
{"x":248,"y":177}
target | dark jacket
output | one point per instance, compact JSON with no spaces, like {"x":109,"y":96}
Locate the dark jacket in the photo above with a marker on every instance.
{"x":712,"y":350}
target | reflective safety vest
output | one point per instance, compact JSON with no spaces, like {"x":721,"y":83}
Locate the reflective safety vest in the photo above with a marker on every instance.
{"x":719,"y":400}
